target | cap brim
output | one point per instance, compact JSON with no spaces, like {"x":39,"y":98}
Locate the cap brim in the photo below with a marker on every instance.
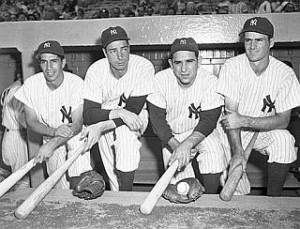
{"x":254,"y":30}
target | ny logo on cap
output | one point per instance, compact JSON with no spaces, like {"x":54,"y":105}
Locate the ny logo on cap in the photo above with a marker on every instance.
{"x":253,"y":22}
{"x":182,"y":42}
{"x":113,"y":32}
{"x":47,"y":45}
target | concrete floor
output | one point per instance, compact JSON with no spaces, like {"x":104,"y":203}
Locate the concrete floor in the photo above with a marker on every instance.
{"x":114,"y":210}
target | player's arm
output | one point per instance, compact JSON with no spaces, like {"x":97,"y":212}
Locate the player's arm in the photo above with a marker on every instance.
{"x":207,"y":123}
{"x":160,"y":126}
{"x":35,"y":125}
{"x":278,"y":121}
{"x":47,"y":149}
{"x":234,"y":137}
{"x":93,"y":113}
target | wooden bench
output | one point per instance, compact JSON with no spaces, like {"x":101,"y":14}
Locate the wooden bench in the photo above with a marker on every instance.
{"x":151,"y":166}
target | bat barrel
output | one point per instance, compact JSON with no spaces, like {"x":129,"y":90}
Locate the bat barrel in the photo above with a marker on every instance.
{"x":40,"y":192}
{"x":161,"y":185}
{"x":15,"y":177}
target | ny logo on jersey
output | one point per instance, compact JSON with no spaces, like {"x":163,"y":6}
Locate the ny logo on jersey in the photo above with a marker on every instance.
{"x":65,"y":114}
{"x":182,"y":42}
{"x":253,"y":22}
{"x":47,"y":45}
{"x":122,"y":100}
{"x":268,"y":103}
{"x":113,"y":32}
{"x":194,"y":110}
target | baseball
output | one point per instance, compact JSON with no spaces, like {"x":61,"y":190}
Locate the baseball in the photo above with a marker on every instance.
{"x":183,"y":188}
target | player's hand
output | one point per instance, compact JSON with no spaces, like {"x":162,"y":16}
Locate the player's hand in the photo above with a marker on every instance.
{"x":64,"y":131}
{"x":183,"y":154}
{"x":236,"y":160}
{"x":132,"y":120}
{"x":45,"y":151}
{"x":232,"y":120}
{"x":92,"y":133}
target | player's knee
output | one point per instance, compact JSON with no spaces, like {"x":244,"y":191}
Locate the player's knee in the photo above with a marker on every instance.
{"x":283,"y":139}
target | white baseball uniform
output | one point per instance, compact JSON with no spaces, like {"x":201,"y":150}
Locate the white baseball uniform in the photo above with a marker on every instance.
{"x":14,"y":143}
{"x":54,"y":108}
{"x":119,"y":148}
{"x":275,"y":90}
{"x":183,"y":106}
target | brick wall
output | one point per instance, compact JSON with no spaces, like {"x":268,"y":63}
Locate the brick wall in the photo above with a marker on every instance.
{"x":212,"y":59}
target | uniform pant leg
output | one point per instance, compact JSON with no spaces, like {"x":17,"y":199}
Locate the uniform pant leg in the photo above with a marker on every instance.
{"x":83,"y":162}
{"x":106,"y":148}
{"x":281,"y":148}
{"x":54,"y":162}
{"x":15,"y":152}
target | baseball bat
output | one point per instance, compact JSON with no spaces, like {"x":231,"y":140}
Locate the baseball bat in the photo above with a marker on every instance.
{"x":235,"y":175}
{"x":156,"y":192}
{"x":10,"y":181}
{"x":40,"y":192}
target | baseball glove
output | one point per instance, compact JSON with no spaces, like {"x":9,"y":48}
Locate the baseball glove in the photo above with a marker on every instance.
{"x":196,"y":190}
{"x":89,"y":185}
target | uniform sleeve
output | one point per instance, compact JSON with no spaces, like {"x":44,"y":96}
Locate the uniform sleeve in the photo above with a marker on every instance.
{"x":77,"y":89}
{"x":144,"y":84}
{"x":92,"y":85}
{"x":288,"y":96}
{"x":211,"y":98}
{"x":23,"y":95}
{"x":157,"y":98}
{"x":159,"y":123}
{"x":228,"y":82}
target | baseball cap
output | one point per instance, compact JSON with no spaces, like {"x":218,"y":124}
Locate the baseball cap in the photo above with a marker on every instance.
{"x":52,"y":47}
{"x":184,"y":44}
{"x":259,"y":25}
{"x":113,"y":34}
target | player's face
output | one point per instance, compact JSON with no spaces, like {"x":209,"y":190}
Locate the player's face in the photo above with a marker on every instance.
{"x":257,"y":46}
{"x":117,"y":53}
{"x":184,"y":65}
{"x":52,"y":67}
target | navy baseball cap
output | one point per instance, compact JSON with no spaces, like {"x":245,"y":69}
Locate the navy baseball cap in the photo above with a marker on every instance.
{"x":184,"y":44}
{"x":52,"y":47}
{"x":259,"y":25}
{"x":113,"y":34}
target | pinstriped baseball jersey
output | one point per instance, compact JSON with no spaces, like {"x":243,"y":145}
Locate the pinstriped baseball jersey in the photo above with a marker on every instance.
{"x":183,"y":106}
{"x":54,"y":108}
{"x":13,"y":112}
{"x":14,"y":142}
{"x":276,"y":88}
{"x":101,"y":86}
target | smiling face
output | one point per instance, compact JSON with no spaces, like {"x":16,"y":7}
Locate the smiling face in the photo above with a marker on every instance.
{"x":184,"y":65}
{"x":52,"y":67}
{"x":257,"y":46}
{"x":117,"y":53}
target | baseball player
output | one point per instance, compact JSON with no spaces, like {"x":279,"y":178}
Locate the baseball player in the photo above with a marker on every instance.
{"x":53,"y":107}
{"x":184,"y":110}
{"x":260,"y":92}
{"x":14,"y":143}
{"x":115,"y":91}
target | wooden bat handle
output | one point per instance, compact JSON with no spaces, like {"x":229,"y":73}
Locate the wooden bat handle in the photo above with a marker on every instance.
{"x":235,"y":176}
{"x":15,"y":177}
{"x":40,"y":192}
{"x":156,"y":192}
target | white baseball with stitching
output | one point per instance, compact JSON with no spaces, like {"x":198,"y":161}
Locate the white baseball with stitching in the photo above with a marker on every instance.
{"x":183,"y":188}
